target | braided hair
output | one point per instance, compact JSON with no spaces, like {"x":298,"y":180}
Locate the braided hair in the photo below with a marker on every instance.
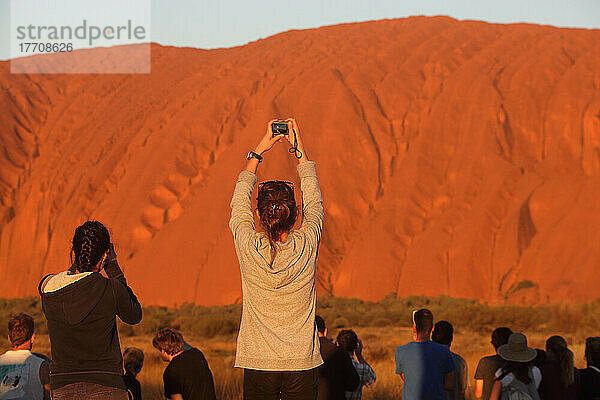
{"x":90,"y":242}
{"x":277,"y":210}
{"x":558,"y":346}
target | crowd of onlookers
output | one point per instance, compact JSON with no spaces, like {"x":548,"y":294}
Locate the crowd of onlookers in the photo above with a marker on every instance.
{"x":427,"y":366}
{"x":516,"y":372}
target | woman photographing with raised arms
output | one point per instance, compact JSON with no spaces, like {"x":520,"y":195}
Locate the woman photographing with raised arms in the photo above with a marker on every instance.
{"x":278,"y":345}
{"x":81,"y":306}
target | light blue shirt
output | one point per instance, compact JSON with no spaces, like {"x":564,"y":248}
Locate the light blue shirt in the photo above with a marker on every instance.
{"x":424,"y":365}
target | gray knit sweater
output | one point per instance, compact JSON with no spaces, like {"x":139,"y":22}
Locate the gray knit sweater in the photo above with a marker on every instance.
{"x":277,"y":331}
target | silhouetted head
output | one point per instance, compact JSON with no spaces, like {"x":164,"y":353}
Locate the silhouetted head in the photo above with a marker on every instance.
{"x":133,"y":360}
{"x":556,"y":346}
{"x":347,"y":340}
{"x":443,"y":333}
{"x":90,"y":242}
{"x":500,"y":336}
{"x":423,"y":321}
{"x":169,"y":341}
{"x":277,"y":208}
{"x":20,"y":329}
{"x":321,"y":328}
{"x":592,"y":351}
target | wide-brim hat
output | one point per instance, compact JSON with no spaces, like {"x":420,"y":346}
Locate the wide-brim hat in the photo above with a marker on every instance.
{"x":516,"y":349}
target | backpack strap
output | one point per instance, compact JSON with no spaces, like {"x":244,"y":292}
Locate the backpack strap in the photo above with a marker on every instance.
{"x":533,"y":392}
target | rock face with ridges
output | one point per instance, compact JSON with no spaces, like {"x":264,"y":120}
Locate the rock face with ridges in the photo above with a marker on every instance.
{"x":456,"y":158}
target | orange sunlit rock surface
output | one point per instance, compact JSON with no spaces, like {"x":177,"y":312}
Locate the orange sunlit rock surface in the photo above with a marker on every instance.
{"x":456,"y":158}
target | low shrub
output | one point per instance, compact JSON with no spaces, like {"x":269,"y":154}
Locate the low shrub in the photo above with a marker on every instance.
{"x":208,"y":322}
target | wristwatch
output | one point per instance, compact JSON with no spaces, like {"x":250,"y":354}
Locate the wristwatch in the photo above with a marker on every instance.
{"x":255,"y":155}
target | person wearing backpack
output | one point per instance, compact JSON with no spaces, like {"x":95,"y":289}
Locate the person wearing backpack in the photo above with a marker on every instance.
{"x":517,"y":379}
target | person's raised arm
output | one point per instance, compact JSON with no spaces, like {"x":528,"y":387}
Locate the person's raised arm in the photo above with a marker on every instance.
{"x":111,"y":266}
{"x":266,"y":143}
{"x":241,"y":222}
{"x":295,"y":139}
{"x":312,"y":200}
{"x":128,"y":307}
{"x":369,"y":375}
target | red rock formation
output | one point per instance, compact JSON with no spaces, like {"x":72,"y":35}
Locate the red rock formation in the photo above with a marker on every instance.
{"x":457,"y":158}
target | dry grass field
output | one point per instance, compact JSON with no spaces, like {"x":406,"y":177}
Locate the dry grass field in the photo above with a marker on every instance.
{"x":382,"y":326}
{"x":380,"y":343}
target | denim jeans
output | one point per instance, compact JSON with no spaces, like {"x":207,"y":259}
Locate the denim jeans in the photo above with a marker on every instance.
{"x":88,"y":391}
{"x":285,"y":385}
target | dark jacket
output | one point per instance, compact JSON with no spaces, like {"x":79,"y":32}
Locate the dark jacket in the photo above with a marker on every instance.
{"x":590,"y":384}
{"x":83,"y":329}
{"x":337,"y":374}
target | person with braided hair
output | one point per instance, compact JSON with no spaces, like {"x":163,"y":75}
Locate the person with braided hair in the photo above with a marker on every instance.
{"x":81,"y":306}
{"x":278,"y":344}
{"x":560,"y":379}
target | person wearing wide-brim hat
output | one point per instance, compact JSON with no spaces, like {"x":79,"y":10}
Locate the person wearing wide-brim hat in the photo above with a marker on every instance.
{"x":517,"y":372}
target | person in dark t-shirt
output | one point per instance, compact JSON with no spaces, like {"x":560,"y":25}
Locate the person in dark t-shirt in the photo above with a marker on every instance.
{"x":188,"y":375}
{"x":487,"y":366}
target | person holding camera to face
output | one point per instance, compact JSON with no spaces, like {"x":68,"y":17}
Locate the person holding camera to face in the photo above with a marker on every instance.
{"x":349,"y":341}
{"x":81,"y":306}
{"x":278,"y":345}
